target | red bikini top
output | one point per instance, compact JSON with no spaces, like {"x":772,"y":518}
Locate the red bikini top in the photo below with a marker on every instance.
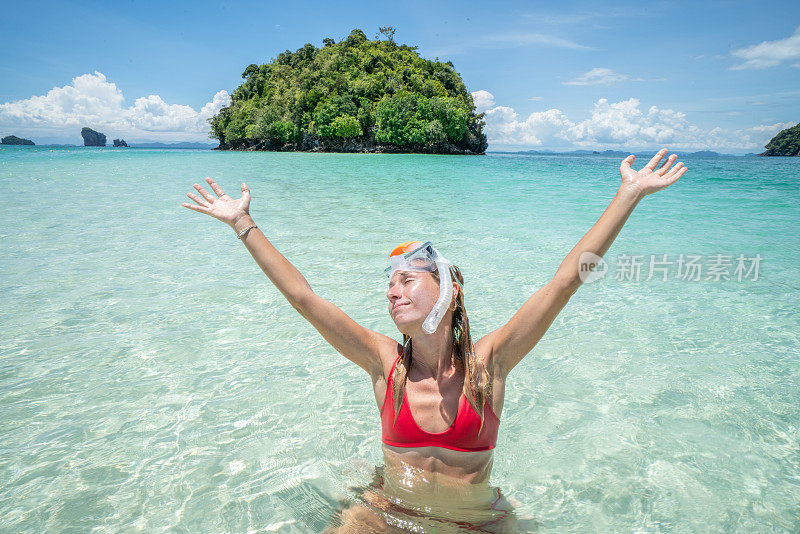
{"x":461,"y":436}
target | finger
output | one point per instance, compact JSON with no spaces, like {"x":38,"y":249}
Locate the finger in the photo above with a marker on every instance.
{"x":245,"y":201}
{"x":201,"y":209}
{"x":205,"y":194}
{"x":670,"y":160}
{"x":671,"y":178}
{"x":678,"y":168}
{"x":197,"y":199}
{"x":653,"y":162}
{"x":627,"y":162}
{"x":678,"y":174}
{"x":217,"y":189}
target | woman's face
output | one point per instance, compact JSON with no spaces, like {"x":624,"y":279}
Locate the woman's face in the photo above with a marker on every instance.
{"x":411,"y":297}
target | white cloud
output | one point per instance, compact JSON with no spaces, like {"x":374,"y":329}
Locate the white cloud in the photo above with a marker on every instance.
{"x":769,"y":53}
{"x":536,"y":98}
{"x":623,"y":122}
{"x":770,"y":129}
{"x":623,"y":125}
{"x":601,"y":76}
{"x":91,"y":100}
{"x":483,"y":100}
{"x":221,"y":99}
{"x":88,"y":98}
{"x":504,"y":127}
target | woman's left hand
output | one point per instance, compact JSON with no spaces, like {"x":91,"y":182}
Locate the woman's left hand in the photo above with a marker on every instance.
{"x":651,"y":179}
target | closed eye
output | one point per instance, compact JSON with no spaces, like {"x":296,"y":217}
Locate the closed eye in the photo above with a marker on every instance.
{"x":403,"y":278}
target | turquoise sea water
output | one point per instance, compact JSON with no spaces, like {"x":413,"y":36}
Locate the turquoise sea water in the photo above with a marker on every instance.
{"x":152,"y":378}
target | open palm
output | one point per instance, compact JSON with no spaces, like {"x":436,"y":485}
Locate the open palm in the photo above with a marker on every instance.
{"x":224,"y":208}
{"x":651,"y":179}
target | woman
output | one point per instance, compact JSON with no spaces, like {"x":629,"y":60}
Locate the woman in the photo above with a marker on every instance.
{"x":454,"y":389}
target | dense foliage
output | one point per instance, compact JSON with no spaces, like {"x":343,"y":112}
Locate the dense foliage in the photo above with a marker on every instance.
{"x":786,"y":143}
{"x":355,"y":95}
{"x":14,"y":140}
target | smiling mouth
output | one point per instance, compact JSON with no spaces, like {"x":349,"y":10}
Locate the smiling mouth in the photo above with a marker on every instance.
{"x":398,"y":306}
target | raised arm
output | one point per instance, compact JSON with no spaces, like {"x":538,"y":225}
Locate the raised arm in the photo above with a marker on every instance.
{"x":511,"y":342}
{"x":356,"y":343}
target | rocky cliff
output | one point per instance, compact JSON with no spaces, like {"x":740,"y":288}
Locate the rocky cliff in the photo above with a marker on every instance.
{"x":92,"y":138}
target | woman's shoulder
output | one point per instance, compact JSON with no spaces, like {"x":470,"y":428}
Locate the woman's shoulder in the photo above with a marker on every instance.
{"x":483,"y":352}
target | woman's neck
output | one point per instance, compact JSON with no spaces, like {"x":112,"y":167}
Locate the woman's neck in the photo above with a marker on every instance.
{"x":433,"y":355}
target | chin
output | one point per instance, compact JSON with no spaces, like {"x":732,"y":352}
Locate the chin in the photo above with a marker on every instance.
{"x":406,"y":326}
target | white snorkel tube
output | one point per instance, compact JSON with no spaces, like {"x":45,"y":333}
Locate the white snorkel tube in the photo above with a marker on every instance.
{"x":413,"y":256}
{"x":431,"y":322}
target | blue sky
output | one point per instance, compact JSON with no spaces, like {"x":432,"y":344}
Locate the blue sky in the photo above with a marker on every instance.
{"x":690,"y":75}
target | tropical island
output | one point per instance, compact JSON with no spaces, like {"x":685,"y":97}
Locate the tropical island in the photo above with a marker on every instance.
{"x":14,"y":140}
{"x":357,"y":95}
{"x":786,"y":143}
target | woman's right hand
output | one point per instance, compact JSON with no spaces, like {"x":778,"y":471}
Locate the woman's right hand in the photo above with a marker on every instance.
{"x":226,"y":209}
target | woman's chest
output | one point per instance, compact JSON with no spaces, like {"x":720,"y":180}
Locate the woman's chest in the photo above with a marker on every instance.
{"x":435,"y":407}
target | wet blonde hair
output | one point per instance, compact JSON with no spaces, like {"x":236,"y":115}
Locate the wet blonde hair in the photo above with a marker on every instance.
{"x":477,"y":379}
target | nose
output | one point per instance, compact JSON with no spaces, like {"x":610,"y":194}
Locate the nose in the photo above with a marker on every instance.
{"x":393,"y":293}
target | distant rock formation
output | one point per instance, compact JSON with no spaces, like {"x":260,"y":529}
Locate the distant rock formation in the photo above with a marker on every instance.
{"x":786,"y":143}
{"x":92,"y":138}
{"x":120,"y":142}
{"x":14,"y":140}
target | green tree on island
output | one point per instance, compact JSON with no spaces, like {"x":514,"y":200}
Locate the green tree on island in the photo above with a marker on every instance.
{"x":786,"y":143}
{"x":353,"y":96}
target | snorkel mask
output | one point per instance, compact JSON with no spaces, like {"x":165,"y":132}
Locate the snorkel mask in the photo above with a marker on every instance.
{"x":417,"y":256}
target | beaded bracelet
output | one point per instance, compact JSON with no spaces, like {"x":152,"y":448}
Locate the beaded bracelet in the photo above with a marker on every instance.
{"x":240,"y":234}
